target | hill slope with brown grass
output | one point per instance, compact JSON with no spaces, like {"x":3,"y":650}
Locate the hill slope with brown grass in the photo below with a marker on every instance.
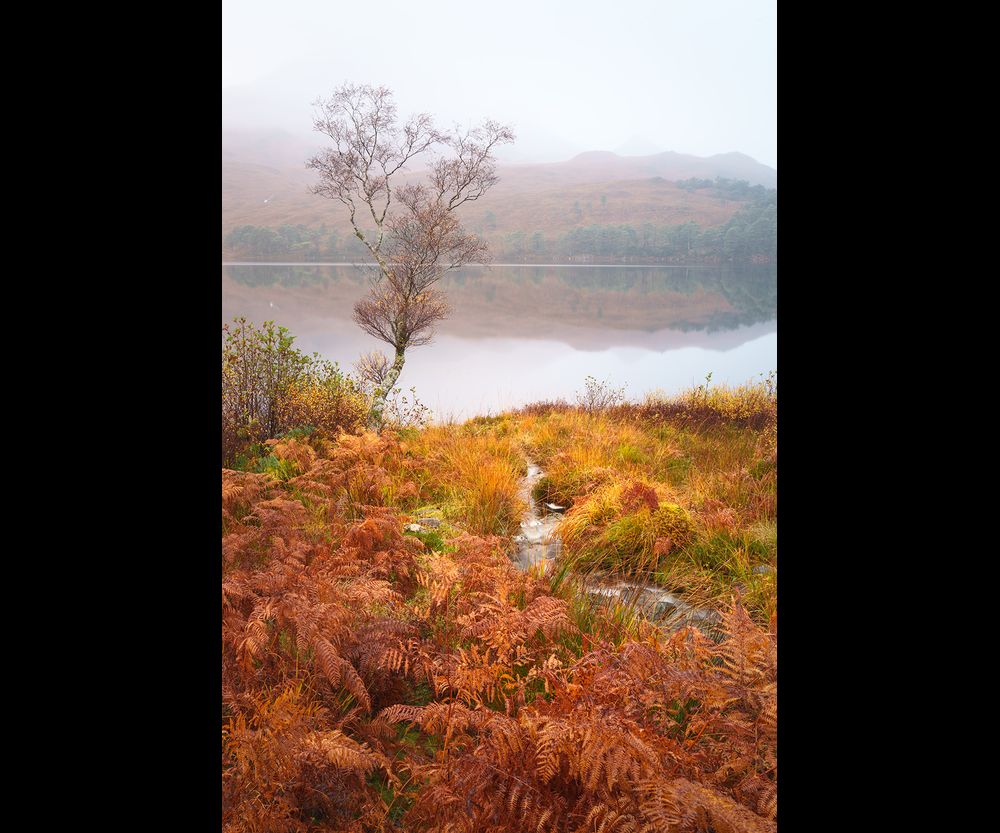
{"x":265,"y":183}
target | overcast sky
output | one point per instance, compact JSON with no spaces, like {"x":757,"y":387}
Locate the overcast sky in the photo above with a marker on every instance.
{"x":634,"y":76}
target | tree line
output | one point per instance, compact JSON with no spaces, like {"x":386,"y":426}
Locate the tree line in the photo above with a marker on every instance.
{"x":749,"y":236}
{"x":289,"y":241}
{"x":726,"y":189}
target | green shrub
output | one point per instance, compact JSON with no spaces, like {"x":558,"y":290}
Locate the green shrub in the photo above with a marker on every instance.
{"x":269,"y":388}
{"x":281,"y":469}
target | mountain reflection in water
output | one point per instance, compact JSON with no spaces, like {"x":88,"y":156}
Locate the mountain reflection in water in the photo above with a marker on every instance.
{"x":520,"y":333}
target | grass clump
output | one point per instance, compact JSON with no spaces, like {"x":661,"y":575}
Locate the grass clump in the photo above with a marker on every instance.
{"x":752,"y":405}
{"x":543,"y":489}
{"x":714,"y":566}
{"x":628,"y":453}
{"x":564,"y":484}
{"x":597,"y":620}
{"x":625,"y":527}
{"x":477,"y":478}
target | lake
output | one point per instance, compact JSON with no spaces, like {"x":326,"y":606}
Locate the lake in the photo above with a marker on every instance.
{"x":524,"y":333}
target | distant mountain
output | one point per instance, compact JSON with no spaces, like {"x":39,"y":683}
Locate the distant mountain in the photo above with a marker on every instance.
{"x":637,"y":146}
{"x":605,"y":166}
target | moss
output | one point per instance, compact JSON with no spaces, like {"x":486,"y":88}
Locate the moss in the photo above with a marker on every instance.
{"x":431,"y":539}
{"x":673,"y":522}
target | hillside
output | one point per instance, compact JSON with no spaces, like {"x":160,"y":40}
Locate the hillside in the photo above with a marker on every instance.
{"x":265,"y":183}
{"x":605,"y":166}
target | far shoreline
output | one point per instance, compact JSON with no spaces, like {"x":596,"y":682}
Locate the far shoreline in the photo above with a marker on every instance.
{"x":515,"y":263}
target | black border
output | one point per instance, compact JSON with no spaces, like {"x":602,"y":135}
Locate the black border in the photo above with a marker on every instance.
{"x":176,"y":689}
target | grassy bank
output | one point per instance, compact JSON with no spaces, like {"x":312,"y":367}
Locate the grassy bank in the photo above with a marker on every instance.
{"x":381,"y":679}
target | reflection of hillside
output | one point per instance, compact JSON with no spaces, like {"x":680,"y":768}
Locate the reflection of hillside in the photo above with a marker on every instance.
{"x":589,"y":308}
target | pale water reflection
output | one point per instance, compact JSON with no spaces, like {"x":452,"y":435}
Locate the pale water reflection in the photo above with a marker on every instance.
{"x":522,"y":333}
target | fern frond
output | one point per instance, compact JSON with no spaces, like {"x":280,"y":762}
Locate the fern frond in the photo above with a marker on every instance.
{"x":341,"y":751}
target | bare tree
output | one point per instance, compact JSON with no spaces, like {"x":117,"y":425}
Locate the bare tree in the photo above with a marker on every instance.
{"x":371,"y":368}
{"x":417,"y":236}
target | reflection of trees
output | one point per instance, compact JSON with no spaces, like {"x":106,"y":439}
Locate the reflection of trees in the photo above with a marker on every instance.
{"x":292,"y":276}
{"x":750,"y":291}
{"x":753,"y":292}
{"x":719,"y":298}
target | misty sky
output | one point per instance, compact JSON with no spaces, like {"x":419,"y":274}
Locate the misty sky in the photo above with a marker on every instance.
{"x":632,"y":76}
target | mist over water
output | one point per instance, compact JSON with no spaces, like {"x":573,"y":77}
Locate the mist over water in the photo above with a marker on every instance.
{"x":524,"y":333}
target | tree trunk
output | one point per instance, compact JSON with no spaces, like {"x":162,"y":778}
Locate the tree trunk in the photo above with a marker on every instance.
{"x":378,"y":404}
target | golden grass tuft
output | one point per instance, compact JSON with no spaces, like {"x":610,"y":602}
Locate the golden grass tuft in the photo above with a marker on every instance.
{"x":477,"y":477}
{"x":626,"y":526}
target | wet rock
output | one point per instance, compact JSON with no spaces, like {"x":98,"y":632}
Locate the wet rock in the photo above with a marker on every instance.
{"x":604,"y":593}
{"x":631,"y":594}
{"x":763,"y":569}
{"x":704,"y":616}
{"x":664,"y":608}
{"x":412,"y":527}
{"x":433,"y":523}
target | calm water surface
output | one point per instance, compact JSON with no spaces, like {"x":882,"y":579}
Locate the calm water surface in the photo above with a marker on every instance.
{"x":522,"y":333}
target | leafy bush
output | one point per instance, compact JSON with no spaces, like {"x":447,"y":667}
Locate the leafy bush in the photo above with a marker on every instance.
{"x":324,"y":399}
{"x":270,"y":387}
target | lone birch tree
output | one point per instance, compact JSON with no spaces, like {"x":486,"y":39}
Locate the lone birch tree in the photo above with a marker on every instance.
{"x":413,"y":233}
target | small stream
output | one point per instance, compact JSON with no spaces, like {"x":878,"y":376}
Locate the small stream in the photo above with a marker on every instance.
{"x":538,"y":543}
